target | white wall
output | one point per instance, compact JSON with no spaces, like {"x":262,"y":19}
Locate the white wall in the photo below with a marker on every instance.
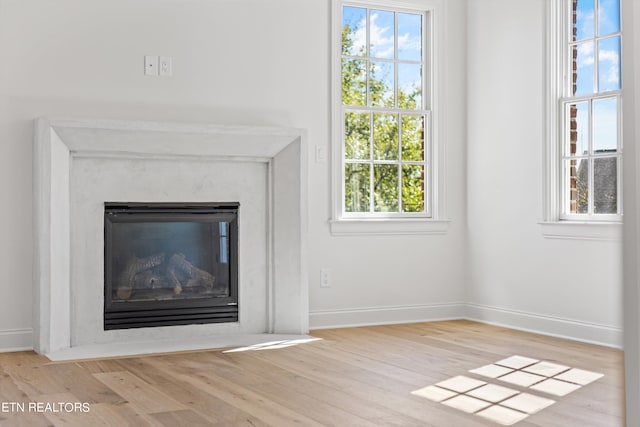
{"x":402,"y":278}
{"x":266,"y":62}
{"x":518,"y":277}
{"x":235,"y":62}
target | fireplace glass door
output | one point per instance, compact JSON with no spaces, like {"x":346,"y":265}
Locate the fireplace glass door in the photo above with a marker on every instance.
{"x":170,"y":264}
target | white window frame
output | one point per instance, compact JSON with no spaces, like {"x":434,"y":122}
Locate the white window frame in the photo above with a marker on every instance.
{"x":557,"y":223}
{"x":426,"y":222}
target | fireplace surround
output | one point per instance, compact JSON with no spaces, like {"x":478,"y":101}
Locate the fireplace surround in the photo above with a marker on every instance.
{"x":81,"y":164}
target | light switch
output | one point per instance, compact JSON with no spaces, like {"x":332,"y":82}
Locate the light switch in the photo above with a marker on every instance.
{"x":166,"y":66}
{"x":321,"y":154}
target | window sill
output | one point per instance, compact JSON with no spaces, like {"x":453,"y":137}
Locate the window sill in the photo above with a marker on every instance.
{"x":605,"y":231}
{"x":386,"y":226}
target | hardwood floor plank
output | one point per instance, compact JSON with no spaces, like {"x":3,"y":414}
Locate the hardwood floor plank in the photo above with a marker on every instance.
{"x":52,"y":406}
{"x":294,"y":391}
{"x":185,"y":417}
{"x":24,"y":420}
{"x":138,"y":393}
{"x":90,"y":390}
{"x":325,"y":413}
{"x":22,"y":358}
{"x":379,"y":394}
{"x":33,"y":380}
{"x":354,"y":377}
{"x":242,"y":398}
{"x":122,"y":414}
{"x":213,"y":409}
{"x":329,"y":406}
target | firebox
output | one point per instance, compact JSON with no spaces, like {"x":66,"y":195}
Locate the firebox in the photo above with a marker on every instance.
{"x":170,"y":264}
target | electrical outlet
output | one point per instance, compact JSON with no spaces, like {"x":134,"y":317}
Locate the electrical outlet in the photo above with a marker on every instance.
{"x":150,"y":65}
{"x":325,"y":278}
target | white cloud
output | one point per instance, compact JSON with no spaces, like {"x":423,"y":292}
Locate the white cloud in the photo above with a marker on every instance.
{"x":613,"y":76}
{"x":586,"y":22}
{"x":381,"y":38}
{"x":608,"y":55}
{"x":609,"y":61}
{"x":360,"y":36}
{"x":585,"y":55}
{"x":404,"y":42}
{"x":610,"y":65}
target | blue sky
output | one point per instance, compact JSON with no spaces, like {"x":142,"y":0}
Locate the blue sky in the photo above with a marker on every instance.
{"x":381,"y":36}
{"x":608,"y":48}
{"x":604,"y":126}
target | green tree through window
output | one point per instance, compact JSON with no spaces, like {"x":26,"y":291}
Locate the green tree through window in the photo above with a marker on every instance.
{"x":385,"y":123}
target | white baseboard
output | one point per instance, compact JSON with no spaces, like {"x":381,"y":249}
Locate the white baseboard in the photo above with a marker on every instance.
{"x":16,"y":340}
{"x":593,"y":333}
{"x":531,"y":322}
{"x":21,"y":339}
{"x":323,"y":319}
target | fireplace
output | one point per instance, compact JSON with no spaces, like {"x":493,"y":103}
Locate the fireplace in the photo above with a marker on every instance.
{"x":81,"y":164}
{"x":170,"y":264}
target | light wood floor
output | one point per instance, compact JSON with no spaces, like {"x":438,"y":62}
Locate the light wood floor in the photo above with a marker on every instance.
{"x":352,"y":377}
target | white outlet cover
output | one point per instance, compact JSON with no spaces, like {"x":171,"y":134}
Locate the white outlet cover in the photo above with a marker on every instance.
{"x":325,"y":278}
{"x":150,"y":65}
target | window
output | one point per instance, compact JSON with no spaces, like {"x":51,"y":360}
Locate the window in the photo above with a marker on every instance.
{"x":384,"y":141}
{"x":588,"y":111}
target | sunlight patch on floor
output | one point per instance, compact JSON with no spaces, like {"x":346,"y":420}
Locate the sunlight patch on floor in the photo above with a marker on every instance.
{"x":504,"y":405}
{"x":273,"y":345}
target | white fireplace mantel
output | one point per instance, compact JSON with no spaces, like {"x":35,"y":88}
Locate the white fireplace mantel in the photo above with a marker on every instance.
{"x":79,"y":164}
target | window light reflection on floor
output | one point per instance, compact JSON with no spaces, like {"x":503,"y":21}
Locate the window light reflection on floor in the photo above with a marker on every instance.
{"x":273,"y":345}
{"x":505,"y":405}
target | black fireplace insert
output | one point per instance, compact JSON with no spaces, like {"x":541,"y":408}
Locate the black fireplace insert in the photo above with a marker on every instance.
{"x":170,"y":264}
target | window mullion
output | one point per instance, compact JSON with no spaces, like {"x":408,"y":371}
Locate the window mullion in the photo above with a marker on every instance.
{"x":371,"y":169}
{"x":400,"y":207}
{"x":565,"y":50}
{"x":619,"y":167}
{"x":397,"y":105}
{"x":395,"y":60}
{"x":607,"y":94}
{"x":427,"y":88}
{"x":368,"y":104}
{"x":428,"y":162}
{"x":367,"y":53}
{"x":591,"y":162}
{"x":596,"y":18}
{"x":596,"y":66}
{"x":371,"y":187}
{"x":399,"y":172}
{"x":563,"y":152}
{"x":596,"y":49}
{"x":620,"y":142}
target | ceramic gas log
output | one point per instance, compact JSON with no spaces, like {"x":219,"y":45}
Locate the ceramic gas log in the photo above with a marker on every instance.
{"x":155,"y":272}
